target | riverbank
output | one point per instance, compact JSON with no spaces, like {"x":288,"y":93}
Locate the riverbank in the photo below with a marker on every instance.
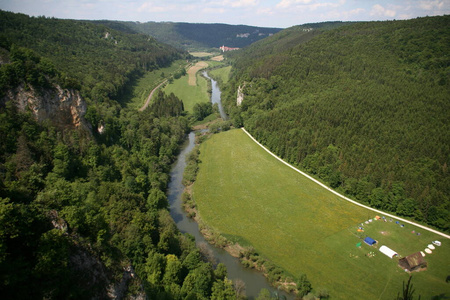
{"x":247,"y":256}
{"x":254,"y":280}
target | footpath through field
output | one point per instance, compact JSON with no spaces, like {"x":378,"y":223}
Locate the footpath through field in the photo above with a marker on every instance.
{"x":342,"y":196}
{"x":150,"y":96}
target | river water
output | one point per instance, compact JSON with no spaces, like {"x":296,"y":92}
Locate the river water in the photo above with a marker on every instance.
{"x":254,"y":281}
{"x":215,"y":96}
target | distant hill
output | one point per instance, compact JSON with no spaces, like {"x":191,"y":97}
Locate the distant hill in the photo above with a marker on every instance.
{"x":190,"y":36}
{"x":364,"y":107}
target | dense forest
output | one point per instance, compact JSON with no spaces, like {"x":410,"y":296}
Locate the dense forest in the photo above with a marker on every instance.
{"x":191,"y":36}
{"x":364,"y":107}
{"x":84,"y":214}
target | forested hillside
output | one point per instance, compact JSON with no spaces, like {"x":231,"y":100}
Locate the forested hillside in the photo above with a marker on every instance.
{"x":85,"y":215}
{"x":190,"y":36}
{"x":96,"y":59}
{"x":364,"y":107}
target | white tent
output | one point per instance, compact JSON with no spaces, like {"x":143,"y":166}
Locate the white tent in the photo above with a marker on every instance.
{"x":388,"y":252}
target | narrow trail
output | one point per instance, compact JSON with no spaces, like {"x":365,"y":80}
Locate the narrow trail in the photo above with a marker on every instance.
{"x":344,"y":197}
{"x":151,"y":95}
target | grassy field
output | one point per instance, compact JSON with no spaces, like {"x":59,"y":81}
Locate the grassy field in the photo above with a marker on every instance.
{"x":250,"y":197}
{"x":222,"y":73}
{"x":141,"y":88}
{"x":213,"y":63}
{"x":187,"y":93}
{"x":200,"y":54}
{"x":192,"y":72}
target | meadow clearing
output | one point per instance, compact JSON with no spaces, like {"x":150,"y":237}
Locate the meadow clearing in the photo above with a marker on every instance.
{"x":141,"y":88}
{"x":192,"y":72}
{"x":217,"y":58}
{"x":200,"y":54}
{"x":252,"y":198}
{"x":222,"y":73}
{"x":189,"y":94}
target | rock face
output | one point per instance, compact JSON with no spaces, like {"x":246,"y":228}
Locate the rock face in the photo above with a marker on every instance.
{"x":64,"y":108}
{"x":240,"y":95}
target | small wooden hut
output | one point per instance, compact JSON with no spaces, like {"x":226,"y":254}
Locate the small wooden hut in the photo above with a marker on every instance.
{"x":413,"y":262}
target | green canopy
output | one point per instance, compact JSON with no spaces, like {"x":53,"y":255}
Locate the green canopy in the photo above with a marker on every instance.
{"x":358,"y":245}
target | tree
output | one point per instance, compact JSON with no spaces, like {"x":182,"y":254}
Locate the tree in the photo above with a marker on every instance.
{"x":223,"y":290}
{"x":407,"y":291}
{"x":220,"y":272}
{"x":202,"y":110}
{"x":303,"y":286}
{"x":264,"y":294}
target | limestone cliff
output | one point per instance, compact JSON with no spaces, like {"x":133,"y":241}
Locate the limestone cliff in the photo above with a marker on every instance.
{"x":64,"y":108}
{"x":240,"y":95}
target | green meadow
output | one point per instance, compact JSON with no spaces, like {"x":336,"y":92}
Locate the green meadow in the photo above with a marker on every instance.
{"x":222,"y":73}
{"x":142,"y":86}
{"x":190,"y":95}
{"x":201,"y":54}
{"x":250,"y":197}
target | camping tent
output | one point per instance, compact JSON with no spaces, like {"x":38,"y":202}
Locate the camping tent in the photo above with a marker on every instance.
{"x":370,"y":241}
{"x":388,"y":252}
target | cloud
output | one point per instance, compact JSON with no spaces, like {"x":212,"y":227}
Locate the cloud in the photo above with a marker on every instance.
{"x":380,"y":11}
{"x":213,"y":10}
{"x":309,"y":4}
{"x":431,"y":5}
{"x":289,"y":3}
{"x":265,"y":11}
{"x":150,"y":7}
{"x":240,"y":3}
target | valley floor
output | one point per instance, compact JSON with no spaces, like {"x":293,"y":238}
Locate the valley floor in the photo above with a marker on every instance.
{"x":251,"y":198}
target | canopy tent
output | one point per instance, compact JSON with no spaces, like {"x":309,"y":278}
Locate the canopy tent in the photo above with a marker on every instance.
{"x":388,"y":252}
{"x":370,"y":241}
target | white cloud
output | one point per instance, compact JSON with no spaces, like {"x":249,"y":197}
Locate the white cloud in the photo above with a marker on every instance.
{"x":289,"y":3}
{"x":380,"y":11}
{"x":213,"y":10}
{"x":150,"y":7}
{"x":432,"y":5}
{"x":325,"y":5}
{"x":242,"y":3}
{"x":265,"y":11}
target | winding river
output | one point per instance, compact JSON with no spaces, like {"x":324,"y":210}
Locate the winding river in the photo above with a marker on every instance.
{"x":254,"y":281}
{"x":215,"y":96}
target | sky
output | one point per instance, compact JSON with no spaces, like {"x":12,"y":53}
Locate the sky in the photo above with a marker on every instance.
{"x":269,"y":13}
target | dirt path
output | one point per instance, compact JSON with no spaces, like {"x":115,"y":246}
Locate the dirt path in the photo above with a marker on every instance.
{"x":151,"y":95}
{"x":342,"y":196}
{"x":193,"y":71}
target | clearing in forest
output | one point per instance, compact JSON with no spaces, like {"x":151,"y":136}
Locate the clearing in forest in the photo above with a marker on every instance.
{"x":217,"y":58}
{"x":252,"y":198}
{"x":192,"y":72}
{"x":189,"y":94}
{"x":200,"y":54}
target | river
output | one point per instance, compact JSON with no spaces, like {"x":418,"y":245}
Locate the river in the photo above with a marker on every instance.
{"x":216,"y":96}
{"x":254,"y":280}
